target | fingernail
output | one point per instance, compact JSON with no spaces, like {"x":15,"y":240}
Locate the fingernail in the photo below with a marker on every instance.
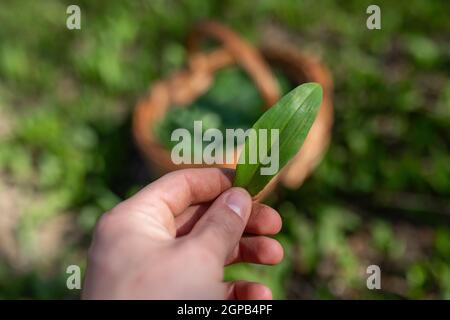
{"x":237,"y":201}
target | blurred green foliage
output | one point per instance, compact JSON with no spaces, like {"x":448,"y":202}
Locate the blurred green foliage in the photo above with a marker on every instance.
{"x":380,"y":196}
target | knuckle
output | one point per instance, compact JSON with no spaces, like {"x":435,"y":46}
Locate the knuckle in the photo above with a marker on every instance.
{"x":103,"y":224}
{"x":107,"y":224}
{"x":109,"y":239}
{"x":228,"y":224}
{"x":228,"y":228}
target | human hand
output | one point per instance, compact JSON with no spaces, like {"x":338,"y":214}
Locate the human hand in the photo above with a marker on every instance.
{"x":173,"y":238}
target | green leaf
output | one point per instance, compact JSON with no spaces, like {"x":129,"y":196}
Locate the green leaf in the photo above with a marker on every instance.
{"x":293,"y":115}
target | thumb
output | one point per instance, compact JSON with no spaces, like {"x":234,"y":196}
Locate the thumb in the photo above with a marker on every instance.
{"x":222,"y":225}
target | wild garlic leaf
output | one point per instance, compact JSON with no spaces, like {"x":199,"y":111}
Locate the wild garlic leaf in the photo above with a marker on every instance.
{"x":293,"y":116}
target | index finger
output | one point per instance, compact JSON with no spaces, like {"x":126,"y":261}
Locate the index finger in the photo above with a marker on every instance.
{"x":180,"y":189}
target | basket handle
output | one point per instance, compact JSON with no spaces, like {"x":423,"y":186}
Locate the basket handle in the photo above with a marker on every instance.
{"x":235,"y":50}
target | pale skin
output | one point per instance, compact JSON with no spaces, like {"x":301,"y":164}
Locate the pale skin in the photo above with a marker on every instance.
{"x":173,"y":239}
